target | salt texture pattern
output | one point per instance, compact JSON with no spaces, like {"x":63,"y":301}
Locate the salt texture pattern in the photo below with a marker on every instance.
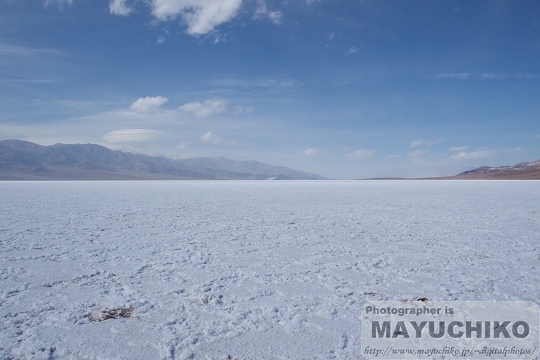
{"x":247,"y":270}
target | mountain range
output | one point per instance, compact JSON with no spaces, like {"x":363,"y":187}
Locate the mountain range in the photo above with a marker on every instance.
{"x":23,"y":160}
{"x":521,"y":171}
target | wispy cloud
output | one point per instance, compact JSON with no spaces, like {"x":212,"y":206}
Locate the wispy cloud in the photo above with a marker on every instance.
{"x":485,"y":76}
{"x":458,"y":148}
{"x":232,"y":82}
{"x":498,"y":76}
{"x":262,"y":12}
{"x":483,"y":153}
{"x":60,"y":3}
{"x":148,"y":104}
{"x":459,"y":76}
{"x":183,"y":146}
{"x":11,"y":50}
{"x":160,"y":40}
{"x":352,"y":50}
{"x":417,"y":153}
{"x":130,"y":136}
{"x":361,"y":154}
{"x":201,"y":16}
{"x":117,"y":127}
{"x":119,"y":7}
{"x":209,"y":138}
{"x":32,"y":81}
{"x":424,"y":142}
{"x":311,"y":152}
{"x":479,"y":154}
{"x":207,"y":108}
{"x":242,"y":110}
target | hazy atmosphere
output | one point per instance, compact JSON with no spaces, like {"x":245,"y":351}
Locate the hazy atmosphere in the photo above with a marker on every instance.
{"x":343,"y":89}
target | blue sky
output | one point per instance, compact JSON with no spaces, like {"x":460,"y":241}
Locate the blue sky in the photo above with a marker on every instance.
{"x":345,"y":89}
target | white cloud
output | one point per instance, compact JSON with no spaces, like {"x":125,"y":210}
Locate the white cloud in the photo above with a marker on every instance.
{"x":60,"y":3}
{"x":262,"y":12}
{"x":242,"y":110}
{"x":352,"y":50}
{"x":207,"y":108}
{"x":183,"y":146}
{"x":424,"y":142}
{"x":119,"y":7}
{"x":361,"y":154}
{"x":231,"y":82}
{"x":393,"y":156}
{"x":14,"y":50}
{"x":486,"y":76}
{"x":417,"y":153}
{"x":160,"y":40}
{"x":458,"y":148}
{"x":210,"y":138}
{"x":10,"y":50}
{"x":311,"y":152}
{"x":459,"y":76}
{"x":31,"y":81}
{"x":489,"y":76}
{"x":483,"y":153}
{"x":206,"y":138}
{"x":148,"y":104}
{"x":499,"y":76}
{"x":130,"y":135}
{"x":479,"y":154}
{"x":275,"y":16}
{"x":201,"y":16}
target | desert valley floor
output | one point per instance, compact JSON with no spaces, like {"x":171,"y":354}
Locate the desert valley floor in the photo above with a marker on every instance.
{"x":248,"y":269}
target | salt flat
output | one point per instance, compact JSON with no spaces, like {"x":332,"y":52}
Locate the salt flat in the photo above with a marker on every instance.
{"x":247,"y":270}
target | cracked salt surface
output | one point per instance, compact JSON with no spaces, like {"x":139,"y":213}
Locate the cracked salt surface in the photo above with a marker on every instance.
{"x":247,"y":270}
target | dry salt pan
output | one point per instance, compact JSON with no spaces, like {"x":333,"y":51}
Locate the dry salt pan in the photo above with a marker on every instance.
{"x":236,"y":270}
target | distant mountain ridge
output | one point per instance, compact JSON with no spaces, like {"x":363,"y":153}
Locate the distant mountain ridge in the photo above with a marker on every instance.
{"x":522,"y":171}
{"x":23,"y":160}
